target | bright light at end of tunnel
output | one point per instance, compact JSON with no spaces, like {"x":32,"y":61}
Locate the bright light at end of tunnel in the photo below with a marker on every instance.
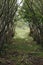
{"x":19,"y":2}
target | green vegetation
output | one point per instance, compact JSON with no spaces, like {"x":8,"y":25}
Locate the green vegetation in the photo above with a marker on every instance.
{"x":21,"y":32}
{"x":21,"y":49}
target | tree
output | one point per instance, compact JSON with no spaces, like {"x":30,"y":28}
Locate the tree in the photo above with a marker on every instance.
{"x":32,"y":11}
{"x":8,"y":9}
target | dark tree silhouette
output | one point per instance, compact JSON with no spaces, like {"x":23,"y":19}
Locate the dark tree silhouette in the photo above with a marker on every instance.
{"x":8,"y":9}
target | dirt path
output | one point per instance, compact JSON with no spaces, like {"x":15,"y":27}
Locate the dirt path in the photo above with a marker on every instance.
{"x":25,"y":60}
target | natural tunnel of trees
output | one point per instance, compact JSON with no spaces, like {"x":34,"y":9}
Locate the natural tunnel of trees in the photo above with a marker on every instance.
{"x":31,"y":11}
{"x":21,"y":32}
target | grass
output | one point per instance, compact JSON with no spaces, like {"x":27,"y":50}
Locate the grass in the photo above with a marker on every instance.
{"x":20,"y":50}
{"x":22,"y":45}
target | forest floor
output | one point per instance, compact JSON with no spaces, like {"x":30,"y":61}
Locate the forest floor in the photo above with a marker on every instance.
{"x":22,"y":52}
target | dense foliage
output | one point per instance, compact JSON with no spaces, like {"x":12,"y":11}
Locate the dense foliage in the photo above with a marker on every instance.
{"x":8,"y":10}
{"x":32,"y":11}
{"x":16,"y":46}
